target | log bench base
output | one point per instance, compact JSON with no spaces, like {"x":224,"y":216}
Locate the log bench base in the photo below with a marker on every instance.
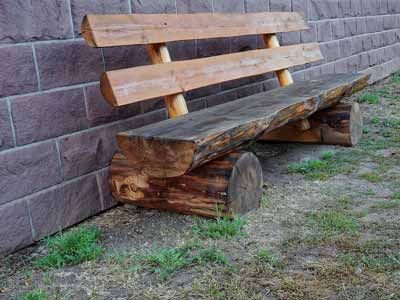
{"x":338,"y":125}
{"x":230,"y":185}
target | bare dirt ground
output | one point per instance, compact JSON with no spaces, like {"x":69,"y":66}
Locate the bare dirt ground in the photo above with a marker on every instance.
{"x":328,"y":228}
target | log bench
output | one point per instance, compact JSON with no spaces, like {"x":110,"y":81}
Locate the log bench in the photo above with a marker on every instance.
{"x":194,"y":163}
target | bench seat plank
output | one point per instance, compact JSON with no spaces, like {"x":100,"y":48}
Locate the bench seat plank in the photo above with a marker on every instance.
{"x":173,"y":147}
{"x":135,"y":29}
{"x":126,"y":86}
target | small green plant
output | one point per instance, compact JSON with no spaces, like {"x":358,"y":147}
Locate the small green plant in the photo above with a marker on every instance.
{"x":333,"y":222}
{"x":373,"y":177}
{"x":265,"y":200}
{"x":392,"y":123}
{"x":211,"y":255}
{"x":375,"y":120}
{"x":396,"y":78}
{"x":369,"y":98}
{"x":71,"y":248}
{"x":389,"y":204}
{"x":36,"y":294}
{"x":222,"y":227}
{"x":267,"y":257}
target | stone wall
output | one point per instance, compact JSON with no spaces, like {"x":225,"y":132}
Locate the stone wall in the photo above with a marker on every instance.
{"x":56,"y":133}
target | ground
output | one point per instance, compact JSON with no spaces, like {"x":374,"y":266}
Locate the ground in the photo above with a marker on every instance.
{"x":328,"y":228}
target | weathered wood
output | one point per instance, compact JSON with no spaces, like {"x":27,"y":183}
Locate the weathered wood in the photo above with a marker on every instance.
{"x":134,"y":29}
{"x":271,"y":41}
{"x":173,"y":147}
{"x":176,"y":104}
{"x":232,"y":183}
{"x":339,"y":125}
{"x":122,"y":87}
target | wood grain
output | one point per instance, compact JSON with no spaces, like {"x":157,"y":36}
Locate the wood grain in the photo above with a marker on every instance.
{"x":176,"y":104}
{"x":134,"y":29}
{"x":126,"y":86}
{"x":339,"y":125}
{"x":232,"y":183}
{"x":173,"y":147}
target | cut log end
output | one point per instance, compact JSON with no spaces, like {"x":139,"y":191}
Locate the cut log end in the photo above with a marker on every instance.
{"x":339,"y":125}
{"x":228,"y":186}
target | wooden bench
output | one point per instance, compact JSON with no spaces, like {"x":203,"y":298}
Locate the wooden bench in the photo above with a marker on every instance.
{"x":190,"y":163}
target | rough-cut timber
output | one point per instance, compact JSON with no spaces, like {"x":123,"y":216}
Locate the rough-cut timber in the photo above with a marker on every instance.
{"x":173,"y":147}
{"x":126,"y":86}
{"x":135,"y":29}
{"x":232,"y":183}
{"x":339,"y":125}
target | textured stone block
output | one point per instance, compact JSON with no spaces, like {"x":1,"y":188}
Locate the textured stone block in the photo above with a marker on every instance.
{"x":338,"y":31}
{"x":64,"y":205}
{"x":364,"y":61}
{"x":48,"y":115}
{"x":355,"y":8}
{"x":104,"y":185}
{"x":6,"y":135}
{"x":324,"y":31}
{"x":373,"y":58}
{"x":324,"y":9}
{"x":231,"y":6}
{"x":81,"y":8}
{"x":356,"y":45}
{"x":27,"y":170}
{"x":290,"y":38}
{"x":15,"y":227}
{"x":182,"y":50}
{"x":301,"y":6}
{"x":256,"y":5}
{"x":280,"y":5}
{"x":249,"y":90}
{"x":100,"y":112}
{"x":87,"y":151}
{"x":68,"y":63}
{"x":117,"y":58}
{"x":221,"y":98}
{"x":344,"y":8}
{"x":350,"y":27}
{"x":194,"y":6}
{"x":202,"y":92}
{"x":22,"y":20}
{"x":354,"y":63}
{"x":391,"y":22}
{"x":383,"y":7}
{"x":394,"y":6}
{"x":18,"y":74}
{"x":153,"y":6}
{"x":374,"y":24}
{"x":212,"y":47}
{"x":143,"y":120}
{"x":369,"y":7}
{"x":309,"y":35}
{"x":341,"y":66}
{"x":196,"y":104}
{"x":367,"y":43}
{"x":331,"y":51}
{"x":361,"y":25}
{"x":328,"y":68}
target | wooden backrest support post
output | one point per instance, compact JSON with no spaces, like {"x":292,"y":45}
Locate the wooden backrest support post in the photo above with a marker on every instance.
{"x":176,"y":104}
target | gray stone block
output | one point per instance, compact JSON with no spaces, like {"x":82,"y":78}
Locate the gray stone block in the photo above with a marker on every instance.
{"x":356,"y":45}
{"x":341,"y":66}
{"x":374,"y":24}
{"x":15,"y":227}
{"x":290,"y":38}
{"x":338,"y":31}
{"x":383,"y":7}
{"x":48,"y":115}
{"x":355,"y":8}
{"x":117,"y":58}
{"x":194,"y":6}
{"x":370,"y":7}
{"x":143,"y":120}
{"x":18,"y":74}
{"x":68,"y":63}
{"x":182,"y":50}
{"x":301,"y":6}
{"x":221,"y":98}
{"x":104,"y":185}
{"x":324,"y":31}
{"x":391,"y":22}
{"x":231,"y":6}
{"x":324,"y":9}
{"x":196,"y":104}
{"x":350,"y":27}
{"x":331,"y":50}
{"x":87,"y":151}
{"x":344,"y":8}
{"x":64,"y":205}
{"x":27,"y":170}
{"x":256,"y":5}
{"x":249,"y":90}
{"x":367,"y":43}
{"x":154,"y":6}
{"x":22,"y":20}
{"x":394,"y":6}
{"x":80,"y":8}
{"x":6,"y":135}
{"x":328,"y":68}
{"x":309,"y":35}
{"x":280,"y":5}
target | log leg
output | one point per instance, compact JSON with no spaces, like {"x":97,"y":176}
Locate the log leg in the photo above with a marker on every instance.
{"x":232,"y":184}
{"x":338,"y":125}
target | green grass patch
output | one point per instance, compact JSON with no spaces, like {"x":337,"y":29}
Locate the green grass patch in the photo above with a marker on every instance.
{"x":373,"y":177}
{"x":36,"y":294}
{"x":211,"y":255}
{"x":392,"y":123}
{"x":333,"y":222}
{"x":221,"y":228}
{"x":71,"y":248}
{"x":267,"y":257}
{"x":369,"y":98}
{"x":387,"y":204}
{"x":396,"y":78}
{"x":265,"y":200}
{"x":328,"y":165}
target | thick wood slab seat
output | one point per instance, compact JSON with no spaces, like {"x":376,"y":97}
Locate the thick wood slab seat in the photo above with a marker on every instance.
{"x":338,"y":125}
{"x":134,"y":29}
{"x":121,"y":87}
{"x":230,"y":185}
{"x":174,"y":147}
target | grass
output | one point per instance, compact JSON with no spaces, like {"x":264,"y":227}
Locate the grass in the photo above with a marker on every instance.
{"x":373,"y":177}
{"x":71,"y":248}
{"x":36,"y":294}
{"x":265,"y":256}
{"x":333,"y":222}
{"x":211,"y":255}
{"x":369,"y":98}
{"x":222,"y":228}
{"x":388,"y":204}
{"x":396,"y":78}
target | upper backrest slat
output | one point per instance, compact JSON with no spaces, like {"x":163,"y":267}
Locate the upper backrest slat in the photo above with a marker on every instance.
{"x":126,"y":86}
{"x":136,"y":29}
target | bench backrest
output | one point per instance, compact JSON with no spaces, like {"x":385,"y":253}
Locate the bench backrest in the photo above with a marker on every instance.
{"x":172,"y":79}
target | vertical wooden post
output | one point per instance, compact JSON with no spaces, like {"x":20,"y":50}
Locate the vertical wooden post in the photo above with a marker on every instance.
{"x":284,"y":76}
{"x":176,"y":104}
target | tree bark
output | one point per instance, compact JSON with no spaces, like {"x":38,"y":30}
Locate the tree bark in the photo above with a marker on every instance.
{"x":228,"y":186}
{"x":339,"y":125}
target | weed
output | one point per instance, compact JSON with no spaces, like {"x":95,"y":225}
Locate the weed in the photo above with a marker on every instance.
{"x":223,"y":227}
{"x":373,"y":177}
{"x":36,"y":294}
{"x":375,"y":120}
{"x":369,"y":98}
{"x":333,"y":222}
{"x":71,"y":248}
{"x":392,"y":123}
{"x":265,"y":200}
{"x":267,"y":257}
{"x":388,"y":204}
{"x":396,"y":78}
{"x":211,"y":255}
